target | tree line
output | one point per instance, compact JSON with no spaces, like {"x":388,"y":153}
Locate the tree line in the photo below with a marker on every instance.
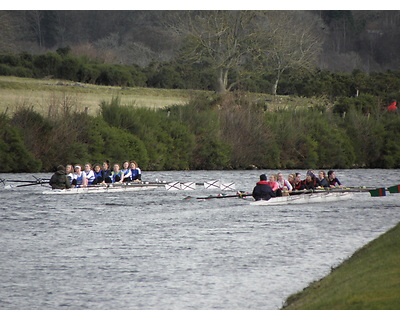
{"x":179,"y":74}
{"x":210,"y":132}
{"x":349,"y":39}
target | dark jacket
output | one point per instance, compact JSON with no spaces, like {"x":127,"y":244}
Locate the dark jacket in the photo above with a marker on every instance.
{"x":299,"y":186}
{"x":312,"y":184}
{"x":59,"y":180}
{"x":323,"y":183}
{"x":262,"y":191}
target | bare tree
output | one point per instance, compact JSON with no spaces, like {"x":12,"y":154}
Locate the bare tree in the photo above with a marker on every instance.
{"x":222,"y":38}
{"x":290,"y":40}
{"x":7,"y":37}
{"x":34,"y":19}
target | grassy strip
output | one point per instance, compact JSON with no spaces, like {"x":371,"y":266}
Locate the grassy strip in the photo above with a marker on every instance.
{"x":44,"y":93}
{"x":369,"y":280}
{"x":41,"y":93}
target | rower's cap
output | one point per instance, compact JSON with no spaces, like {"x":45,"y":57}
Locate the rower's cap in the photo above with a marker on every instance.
{"x":78,"y":167}
{"x":311,"y":174}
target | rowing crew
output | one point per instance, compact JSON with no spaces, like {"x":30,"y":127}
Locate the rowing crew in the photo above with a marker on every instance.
{"x":74,"y":176}
{"x":278,"y":186}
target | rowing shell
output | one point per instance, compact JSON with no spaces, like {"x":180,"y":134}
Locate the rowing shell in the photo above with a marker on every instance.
{"x":102,"y":189}
{"x":303,"y":199}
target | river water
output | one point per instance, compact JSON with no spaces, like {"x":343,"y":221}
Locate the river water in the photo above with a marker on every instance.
{"x":154,"y":250}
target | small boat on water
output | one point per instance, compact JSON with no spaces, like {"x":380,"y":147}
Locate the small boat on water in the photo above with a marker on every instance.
{"x":304,"y":199}
{"x":104,"y":189}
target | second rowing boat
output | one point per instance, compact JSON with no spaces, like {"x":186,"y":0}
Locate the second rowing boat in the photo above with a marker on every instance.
{"x":303,"y":199}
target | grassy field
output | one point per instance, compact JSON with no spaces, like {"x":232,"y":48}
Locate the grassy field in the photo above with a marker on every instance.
{"x":369,"y":280}
{"x":43,"y":93}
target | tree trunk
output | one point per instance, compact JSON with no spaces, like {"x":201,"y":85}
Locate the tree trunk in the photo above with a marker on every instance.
{"x":222,"y":80}
{"x":275,"y":86}
{"x":278,"y":77}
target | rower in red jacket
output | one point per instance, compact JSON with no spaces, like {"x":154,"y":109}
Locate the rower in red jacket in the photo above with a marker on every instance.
{"x":262,"y":191}
{"x":298,"y":183}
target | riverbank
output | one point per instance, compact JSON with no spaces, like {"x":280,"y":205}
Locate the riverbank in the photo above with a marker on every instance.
{"x":368,"y":280}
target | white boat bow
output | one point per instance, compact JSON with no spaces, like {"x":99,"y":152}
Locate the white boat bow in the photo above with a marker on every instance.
{"x":103,"y":189}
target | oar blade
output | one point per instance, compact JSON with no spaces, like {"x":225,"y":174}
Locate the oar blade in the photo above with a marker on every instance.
{"x":379,"y":192}
{"x":173,"y":186}
{"x":394,"y":189}
{"x":188,"y":186}
{"x":227,"y":186}
{"x":215,"y":184}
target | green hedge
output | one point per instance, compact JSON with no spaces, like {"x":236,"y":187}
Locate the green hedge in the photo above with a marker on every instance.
{"x":208,"y":133}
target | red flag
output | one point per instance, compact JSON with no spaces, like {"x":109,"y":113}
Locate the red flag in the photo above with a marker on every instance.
{"x":392,"y":107}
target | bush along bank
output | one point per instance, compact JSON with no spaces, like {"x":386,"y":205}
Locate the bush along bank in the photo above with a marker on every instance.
{"x":210,"y":132}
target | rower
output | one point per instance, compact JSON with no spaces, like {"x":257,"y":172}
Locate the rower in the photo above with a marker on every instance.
{"x":298,"y":183}
{"x":89,"y":173}
{"x":106,"y":172}
{"x":262,"y":190}
{"x":126,"y":171}
{"x":274,"y":185}
{"x":321,"y":180}
{"x":98,"y":174}
{"x":79,"y":177}
{"x":69,"y":170}
{"x":59,"y":180}
{"x":311,"y":181}
{"x":291,"y":179}
{"x":284,"y":185}
{"x":136,"y":172}
{"x":333,"y":181}
{"x":117,"y":176}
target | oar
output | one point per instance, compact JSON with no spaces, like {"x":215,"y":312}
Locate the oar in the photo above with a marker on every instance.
{"x":381,"y":192}
{"x":394,"y":189}
{"x":37,"y":181}
{"x":373,"y":191}
{"x":330,"y":190}
{"x":26,"y":185}
{"x":221,"y":196}
{"x":27,"y":181}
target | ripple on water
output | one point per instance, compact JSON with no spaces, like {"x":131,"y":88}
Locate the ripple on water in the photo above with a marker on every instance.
{"x":153,"y":250}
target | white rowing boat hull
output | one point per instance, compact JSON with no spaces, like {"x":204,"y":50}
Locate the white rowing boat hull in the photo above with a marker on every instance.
{"x":100,"y":189}
{"x":304,"y":199}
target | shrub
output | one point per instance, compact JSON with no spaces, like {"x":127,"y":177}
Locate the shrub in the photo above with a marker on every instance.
{"x":69,"y":68}
{"x":10,"y":60}
{"x":114,"y":75}
{"x":14,"y":156}
{"x":47,"y":64}
{"x":5,"y":70}
{"x":115,"y":144}
{"x":88,"y":73}
{"x":168,"y":143}
{"x":22,"y":72}
{"x":366,"y":104}
{"x":166,"y":77}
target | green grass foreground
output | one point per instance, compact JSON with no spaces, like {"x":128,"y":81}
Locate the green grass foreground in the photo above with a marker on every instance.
{"x":369,"y":280}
